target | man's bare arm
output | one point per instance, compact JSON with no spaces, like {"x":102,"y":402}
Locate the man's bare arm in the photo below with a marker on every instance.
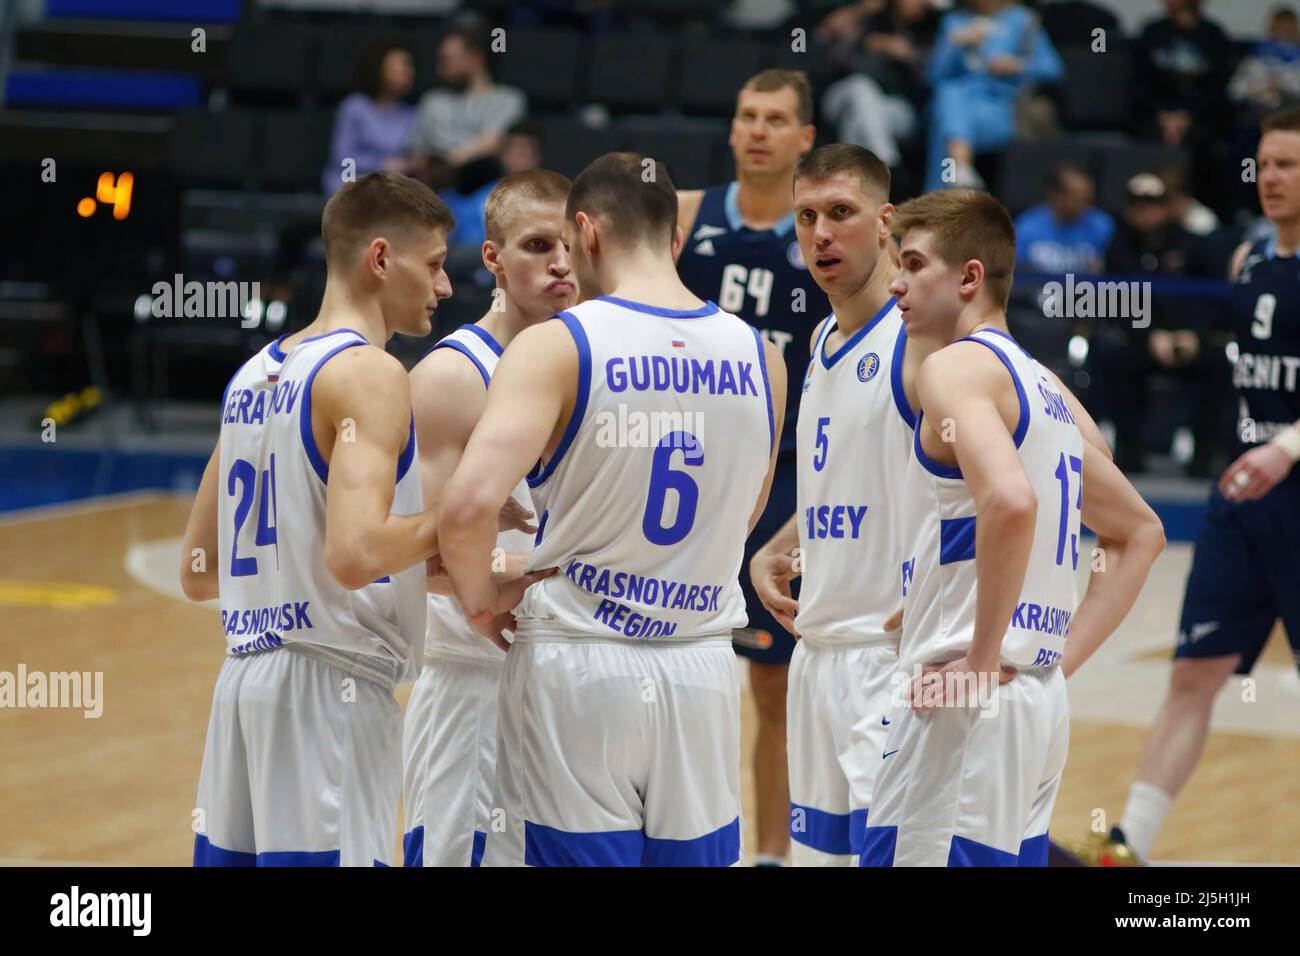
{"x":688,"y":207}
{"x":448,"y":396}
{"x":525,"y":402}
{"x":776,"y":381}
{"x":961,"y":384}
{"x":362,"y":401}
{"x":201,"y":537}
{"x":771,"y":570}
{"x":1130,"y":538}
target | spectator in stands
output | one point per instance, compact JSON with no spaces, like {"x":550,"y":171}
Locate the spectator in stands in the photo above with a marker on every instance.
{"x":521,"y":151}
{"x":983,"y":60}
{"x":466,"y":120}
{"x":1269,"y":77}
{"x":1182,"y":337}
{"x":1183,"y":62}
{"x":372,"y":125}
{"x":1067,"y":233}
{"x":882,"y":45}
{"x":1184,"y":208}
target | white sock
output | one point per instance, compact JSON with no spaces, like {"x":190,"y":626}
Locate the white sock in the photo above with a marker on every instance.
{"x":766,"y":859}
{"x":1144,"y":817}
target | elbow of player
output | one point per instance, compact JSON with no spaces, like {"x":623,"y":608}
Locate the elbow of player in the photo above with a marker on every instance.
{"x":198,"y":585}
{"x":1149,"y":535}
{"x":462,"y":511}
{"x":1011,"y":509}
{"x":350,"y":566}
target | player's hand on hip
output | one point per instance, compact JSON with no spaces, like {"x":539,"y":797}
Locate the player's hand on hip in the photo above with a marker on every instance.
{"x":894,"y":621}
{"x":515,"y":517}
{"x":771,"y":573}
{"x":494,"y":626}
{"x":959,"y":683}
{"x":1255,"y":473}
{"x":513,"y":568}
{"x":498,"y":616}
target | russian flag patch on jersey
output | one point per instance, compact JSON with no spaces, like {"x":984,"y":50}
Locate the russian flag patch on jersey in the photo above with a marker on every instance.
{"x":678,"y":344}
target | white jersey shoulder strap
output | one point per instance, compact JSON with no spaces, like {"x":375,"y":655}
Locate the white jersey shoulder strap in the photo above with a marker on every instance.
{"x":477,"y":345}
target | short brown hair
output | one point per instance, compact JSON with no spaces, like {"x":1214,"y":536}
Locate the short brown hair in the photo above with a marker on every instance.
{"x":377,"y":203}
{"x":769,"y":81}
{"x":1286,"y":119}
{"x":835,"y":158}
{"x":614,"y":189}
{"x":541,"y":185}
{"x":966,"y":224}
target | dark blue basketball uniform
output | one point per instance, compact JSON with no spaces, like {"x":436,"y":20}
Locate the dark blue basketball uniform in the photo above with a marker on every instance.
{"x":759,"y":275}
{"x":1246,"y":571}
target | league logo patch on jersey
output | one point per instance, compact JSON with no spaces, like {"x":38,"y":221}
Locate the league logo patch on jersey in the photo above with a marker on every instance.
{"x":868,"y":367}
{"x":708,"y":232}
{"x":795,"y":255}
{"x":705,"y":248}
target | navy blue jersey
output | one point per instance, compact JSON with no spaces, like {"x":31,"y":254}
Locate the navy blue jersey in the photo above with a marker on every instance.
{"x":1266,"y":323}
{"x":754,"y":273}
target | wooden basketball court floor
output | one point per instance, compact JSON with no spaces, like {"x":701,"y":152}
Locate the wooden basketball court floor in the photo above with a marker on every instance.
{"x":92,"y":587}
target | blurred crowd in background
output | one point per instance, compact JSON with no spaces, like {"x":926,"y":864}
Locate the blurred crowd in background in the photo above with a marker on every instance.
{"x":1120,"y":153}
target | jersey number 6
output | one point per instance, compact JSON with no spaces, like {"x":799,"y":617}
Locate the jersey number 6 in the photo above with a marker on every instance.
{"x":662,"y":479}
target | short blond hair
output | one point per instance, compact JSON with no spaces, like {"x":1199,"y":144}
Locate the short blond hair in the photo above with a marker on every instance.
{"x":966,"y":224}
{"x":769,"y":81}
{"x":542,"y":185}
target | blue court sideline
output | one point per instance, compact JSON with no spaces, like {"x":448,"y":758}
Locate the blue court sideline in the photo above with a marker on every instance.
{"x":47,"y":475}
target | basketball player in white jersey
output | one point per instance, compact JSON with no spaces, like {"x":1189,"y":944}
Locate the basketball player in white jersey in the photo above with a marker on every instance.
{"x":310,"y":522}
{"x":1000,"y":477}
{"x":449,"y":732}
{"x":650,"y":422}
{"x":855,"y":434}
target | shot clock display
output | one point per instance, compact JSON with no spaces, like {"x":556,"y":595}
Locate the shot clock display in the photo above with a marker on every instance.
{"x":113,"y":191}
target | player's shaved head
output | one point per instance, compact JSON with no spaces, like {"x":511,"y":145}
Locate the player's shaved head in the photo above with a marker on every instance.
{"x":505,"y":203}
{"x":966,"y":224}
{"x":633,"y":196}
{"x":836,"y":158}
{"x":380,"y":204}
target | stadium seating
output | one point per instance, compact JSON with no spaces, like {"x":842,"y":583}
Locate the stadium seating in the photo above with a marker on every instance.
{"x":544,"y":64}
{"x":630,"y":73}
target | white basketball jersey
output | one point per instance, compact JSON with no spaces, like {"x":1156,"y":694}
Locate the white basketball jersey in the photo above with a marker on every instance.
{"x":450,"y":634}
{"x":645,"y":504}
{"x":854,"y":437}
{"x":939,"y":573}
{"x":275,"y":588}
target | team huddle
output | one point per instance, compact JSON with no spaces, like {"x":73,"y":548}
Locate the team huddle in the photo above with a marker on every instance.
{"x":544,"y":525}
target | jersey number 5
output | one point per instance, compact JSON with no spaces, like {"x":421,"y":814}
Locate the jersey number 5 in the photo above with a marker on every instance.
{"x":663,"y":479}
{"x":822,"y":445}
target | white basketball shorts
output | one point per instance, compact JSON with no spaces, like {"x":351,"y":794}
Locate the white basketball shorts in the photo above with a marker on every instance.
{"x":837,"y":703}
{"x":618,"y":753}
{"x":449,"y":742}
{"x":302,"y":766}
{"x":960,"y":789}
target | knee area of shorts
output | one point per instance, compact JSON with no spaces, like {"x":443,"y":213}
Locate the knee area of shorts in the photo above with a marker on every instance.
{"x":1201,"y":676}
